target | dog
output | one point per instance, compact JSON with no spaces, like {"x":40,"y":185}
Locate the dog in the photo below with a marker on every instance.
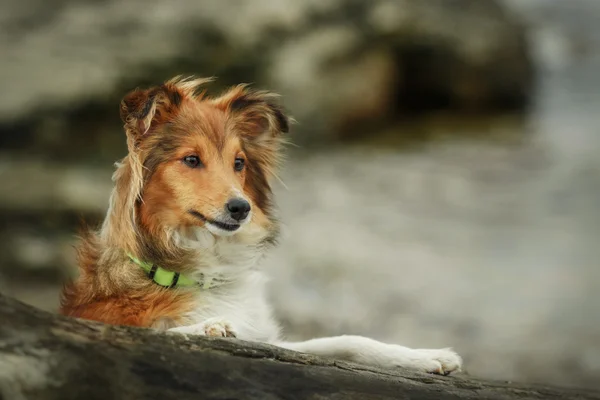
{"x":190,"y":217}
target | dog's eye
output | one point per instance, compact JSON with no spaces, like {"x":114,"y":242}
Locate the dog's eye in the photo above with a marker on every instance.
{"x":239,"y":163}
{"x":192,"y":161}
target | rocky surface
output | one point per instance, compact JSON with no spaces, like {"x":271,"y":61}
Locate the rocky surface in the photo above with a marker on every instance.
{"x":50,"y":357}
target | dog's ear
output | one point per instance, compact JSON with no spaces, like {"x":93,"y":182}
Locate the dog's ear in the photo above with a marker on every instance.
{"x":143,"y":109}
{"x":261,"y":124}
{"x":257,"y":114}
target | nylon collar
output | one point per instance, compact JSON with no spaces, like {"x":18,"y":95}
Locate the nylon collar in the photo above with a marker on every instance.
{"x":171,"y":279}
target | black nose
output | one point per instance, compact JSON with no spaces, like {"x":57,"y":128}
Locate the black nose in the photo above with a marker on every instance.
{"x":238,"y":209}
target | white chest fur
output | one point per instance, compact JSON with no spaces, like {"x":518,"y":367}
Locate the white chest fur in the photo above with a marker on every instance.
{"x":242,"y":303}
{"x":241,"y":299}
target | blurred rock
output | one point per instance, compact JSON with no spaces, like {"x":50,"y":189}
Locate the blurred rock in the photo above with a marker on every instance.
{"x":342,"y":65}
{"x":41,"y":205}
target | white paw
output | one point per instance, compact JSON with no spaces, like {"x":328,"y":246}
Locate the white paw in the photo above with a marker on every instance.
{"x":218,"y":327}
{"x":434,"y":361}
{"x":211,"y":327}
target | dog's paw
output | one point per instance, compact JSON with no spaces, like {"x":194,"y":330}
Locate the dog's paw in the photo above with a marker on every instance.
{"x":218,"y":327}
{"x":211,"y":327}
{"x":435,"y":361}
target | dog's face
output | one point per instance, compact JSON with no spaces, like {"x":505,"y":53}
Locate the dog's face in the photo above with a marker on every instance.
{"x":199,"y":176}
{"x":206,"y":162}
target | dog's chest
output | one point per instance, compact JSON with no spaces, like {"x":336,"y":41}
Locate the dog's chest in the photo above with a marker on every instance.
{"x":241,"y":300}
{"x":242,"y":303}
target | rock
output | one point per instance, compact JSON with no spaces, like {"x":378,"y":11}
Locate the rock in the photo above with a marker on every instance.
{"x":344,"y":66}
{"x":43,"y":356}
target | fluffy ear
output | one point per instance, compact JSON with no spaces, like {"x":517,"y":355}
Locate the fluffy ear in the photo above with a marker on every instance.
{"x":141,"y":108}
{"x":257,"y":114}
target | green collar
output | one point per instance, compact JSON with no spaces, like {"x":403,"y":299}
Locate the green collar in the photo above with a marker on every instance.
{"x":170,"y":279}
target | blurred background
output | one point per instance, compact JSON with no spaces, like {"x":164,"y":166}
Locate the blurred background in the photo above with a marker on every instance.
{"x":444,"y":185}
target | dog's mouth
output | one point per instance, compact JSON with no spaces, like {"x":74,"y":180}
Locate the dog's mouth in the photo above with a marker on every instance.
{"x":225,"y":226}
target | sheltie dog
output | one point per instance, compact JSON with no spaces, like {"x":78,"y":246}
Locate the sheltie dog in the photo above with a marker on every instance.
{"x":190,"y":217}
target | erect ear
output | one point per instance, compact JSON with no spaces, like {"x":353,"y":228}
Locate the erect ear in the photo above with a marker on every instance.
{"x":257,"y":114}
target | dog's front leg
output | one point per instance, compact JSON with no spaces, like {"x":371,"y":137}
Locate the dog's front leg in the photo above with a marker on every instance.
{"x":371,"y":352}
{"x":219,"y":327}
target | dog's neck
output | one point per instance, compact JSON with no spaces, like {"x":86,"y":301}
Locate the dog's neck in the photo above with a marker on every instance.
{"x":193,"y":250}
{"x":212,"y":254}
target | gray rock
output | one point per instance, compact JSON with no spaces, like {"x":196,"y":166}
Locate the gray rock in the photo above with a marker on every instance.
{"x":51,"y":357}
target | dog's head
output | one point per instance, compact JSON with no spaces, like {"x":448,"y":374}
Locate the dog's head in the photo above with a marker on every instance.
{"x":204,"y":162}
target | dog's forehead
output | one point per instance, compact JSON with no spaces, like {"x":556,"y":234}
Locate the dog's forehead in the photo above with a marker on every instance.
{"x":203,"y":122}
